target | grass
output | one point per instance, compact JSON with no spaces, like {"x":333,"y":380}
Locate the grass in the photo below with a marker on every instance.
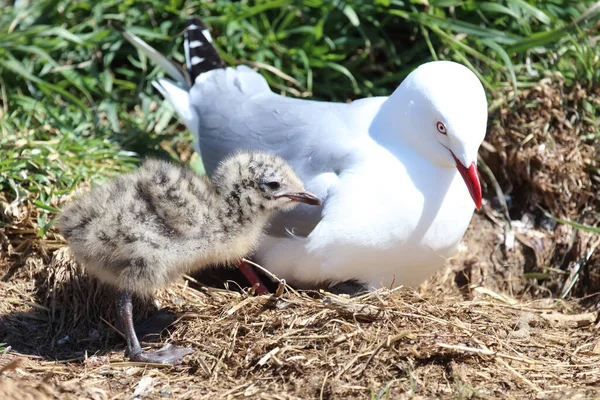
{"x":77,"y":104}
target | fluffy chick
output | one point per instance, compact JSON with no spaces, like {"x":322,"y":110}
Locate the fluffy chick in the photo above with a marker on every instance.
{"x":144,"y":229}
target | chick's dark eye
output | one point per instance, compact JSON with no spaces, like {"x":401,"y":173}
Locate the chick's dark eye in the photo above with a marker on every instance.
{"x":273,"y":185}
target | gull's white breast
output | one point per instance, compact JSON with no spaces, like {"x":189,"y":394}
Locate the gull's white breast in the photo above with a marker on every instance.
{"x":390,"y":218}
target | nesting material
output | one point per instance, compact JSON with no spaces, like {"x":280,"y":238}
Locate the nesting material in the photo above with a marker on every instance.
{"x":304,"y":345}
{"x":492,"y":341}
{"x":543,"y":148}
{"x":437,"y":343}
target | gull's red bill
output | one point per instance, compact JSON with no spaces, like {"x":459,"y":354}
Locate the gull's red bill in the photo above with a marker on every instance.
{"x":471,"y":178}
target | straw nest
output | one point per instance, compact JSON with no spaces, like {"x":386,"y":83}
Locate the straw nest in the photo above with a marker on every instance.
{"x":401,"y":343}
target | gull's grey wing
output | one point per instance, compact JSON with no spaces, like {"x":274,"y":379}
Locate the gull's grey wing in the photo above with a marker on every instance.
{"x":231,"y":109}
{"x":237,"y":110}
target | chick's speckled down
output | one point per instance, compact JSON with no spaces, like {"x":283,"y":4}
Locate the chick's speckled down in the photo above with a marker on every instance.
{"x":144,"y":229}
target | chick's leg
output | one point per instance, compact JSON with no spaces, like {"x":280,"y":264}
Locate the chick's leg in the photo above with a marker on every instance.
{"x":252,"y":278}
{"x":167,"y":355}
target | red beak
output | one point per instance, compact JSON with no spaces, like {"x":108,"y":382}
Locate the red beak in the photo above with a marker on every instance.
{"x":471,"y":178}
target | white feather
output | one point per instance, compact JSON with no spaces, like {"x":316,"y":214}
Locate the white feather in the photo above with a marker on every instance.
{"x":155,"y":56}
{"x":179,"y":99}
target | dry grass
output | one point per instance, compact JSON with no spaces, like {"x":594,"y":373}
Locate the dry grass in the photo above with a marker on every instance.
{"x":544,"y":147}
{"x":437,"y":342}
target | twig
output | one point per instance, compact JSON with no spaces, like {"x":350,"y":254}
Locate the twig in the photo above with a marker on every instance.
{"x":345,"y":337}
{"x":360,"y":312}
{"x":378,"y":292}
{"x":386,"y":343}
{"x":239,"y":305}
{"x":263,"y":269}
{"x":280,"y":288}
{"x":519,"y":376}
{"x":348,"y":365}
{"x":263,"y":360}
{"x":572,"y":320}
{"x":497,"y":296}
{"x":323,"y":386}
{"x":113,"y":328}
{"x":233,"y":390}
{"x":483,"y":352}
{"x":277,"y":72}
{"x":215,"y":370}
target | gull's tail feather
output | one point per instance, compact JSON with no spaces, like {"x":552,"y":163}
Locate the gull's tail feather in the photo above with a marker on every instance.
{"x":200,"y":54}
{"x":168,"y":66}
{"x":179,"y":98}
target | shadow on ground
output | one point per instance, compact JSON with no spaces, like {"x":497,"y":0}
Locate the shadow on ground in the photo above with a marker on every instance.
{"x":69,"y":313}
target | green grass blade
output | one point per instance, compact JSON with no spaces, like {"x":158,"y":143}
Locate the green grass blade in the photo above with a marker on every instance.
{"x":505,"y":57}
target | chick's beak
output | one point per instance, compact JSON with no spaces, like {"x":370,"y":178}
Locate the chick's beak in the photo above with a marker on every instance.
{"x":471,"y":178}
{"x":303,"y":197}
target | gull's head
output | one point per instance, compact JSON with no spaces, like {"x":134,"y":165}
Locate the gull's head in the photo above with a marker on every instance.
{"x":444,"y":117}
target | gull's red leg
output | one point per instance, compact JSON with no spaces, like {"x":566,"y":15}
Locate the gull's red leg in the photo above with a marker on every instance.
{"x":252,"y":277}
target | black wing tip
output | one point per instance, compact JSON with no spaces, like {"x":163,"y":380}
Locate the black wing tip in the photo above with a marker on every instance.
{"x":195,"y":21}
{"x":201,"y":55}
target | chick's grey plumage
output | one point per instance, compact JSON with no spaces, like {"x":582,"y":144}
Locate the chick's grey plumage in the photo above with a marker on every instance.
{"x":144,"y":229}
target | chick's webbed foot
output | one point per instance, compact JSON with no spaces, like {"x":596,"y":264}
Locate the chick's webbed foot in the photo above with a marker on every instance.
{"x":169,"y":354}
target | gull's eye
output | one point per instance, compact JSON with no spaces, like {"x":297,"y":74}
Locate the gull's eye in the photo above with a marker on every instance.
{"x":273,"y":185}
{"x":441,"y":128}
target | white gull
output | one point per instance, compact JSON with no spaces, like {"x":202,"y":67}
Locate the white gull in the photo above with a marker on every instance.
{"x":398,"y":174}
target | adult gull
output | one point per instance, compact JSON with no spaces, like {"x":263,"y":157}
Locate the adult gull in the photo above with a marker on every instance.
{"x":397,"y":175}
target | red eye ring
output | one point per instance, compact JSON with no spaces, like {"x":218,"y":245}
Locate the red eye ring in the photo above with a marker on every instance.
{"x":441,"y":128}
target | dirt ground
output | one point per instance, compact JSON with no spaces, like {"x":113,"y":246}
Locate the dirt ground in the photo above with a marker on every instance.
{"x":514,"y":314}
{"x":459,"y":336}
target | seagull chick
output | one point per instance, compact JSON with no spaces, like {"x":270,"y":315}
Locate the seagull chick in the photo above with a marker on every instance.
{"x":144,"y":229}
